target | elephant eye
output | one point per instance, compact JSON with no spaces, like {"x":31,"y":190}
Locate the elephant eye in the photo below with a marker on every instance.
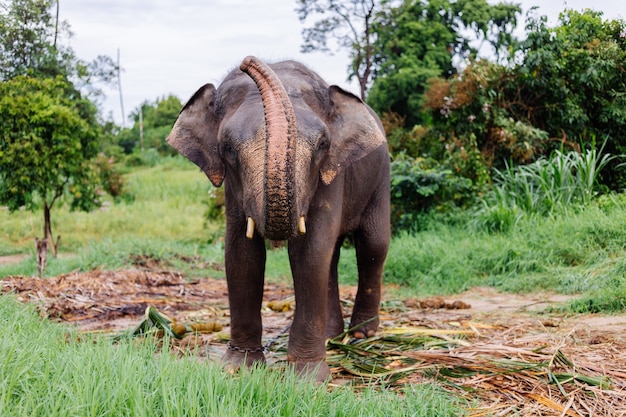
{"x":229,"y":152}
{"x":323,"y":144}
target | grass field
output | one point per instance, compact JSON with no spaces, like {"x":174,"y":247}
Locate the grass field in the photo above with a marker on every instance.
{"x":576,"y":250}
{"x":50,"y":371}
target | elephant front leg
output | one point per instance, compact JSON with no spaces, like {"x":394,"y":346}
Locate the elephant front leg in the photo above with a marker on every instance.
{"x":307,"y":338}
{"x":245,"y":266}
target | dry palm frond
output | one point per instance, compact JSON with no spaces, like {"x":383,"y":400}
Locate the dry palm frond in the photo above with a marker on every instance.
{"x":538,"y":379}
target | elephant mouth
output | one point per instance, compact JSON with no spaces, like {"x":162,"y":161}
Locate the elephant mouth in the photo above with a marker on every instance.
{"x":251,"y":225}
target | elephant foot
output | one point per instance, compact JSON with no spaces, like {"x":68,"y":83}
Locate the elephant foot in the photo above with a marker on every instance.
{"x":236,"y":357}
{"x":316,"y":371}
{"x":362,"y":329}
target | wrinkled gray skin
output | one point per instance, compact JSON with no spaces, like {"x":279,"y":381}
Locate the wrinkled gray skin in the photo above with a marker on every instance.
{"x":332,"y":166}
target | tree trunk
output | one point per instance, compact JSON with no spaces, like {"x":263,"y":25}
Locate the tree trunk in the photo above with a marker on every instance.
{"x":47,"y":230}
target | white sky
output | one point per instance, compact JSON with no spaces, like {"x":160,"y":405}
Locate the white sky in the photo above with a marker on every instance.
{"x":174,"y":47}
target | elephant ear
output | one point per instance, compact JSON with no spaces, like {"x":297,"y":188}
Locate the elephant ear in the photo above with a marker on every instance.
{"x":354,"y":130}
{"x":195,"y":134}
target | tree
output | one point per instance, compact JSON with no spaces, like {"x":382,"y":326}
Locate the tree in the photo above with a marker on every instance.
{"x":30,"y":45}
{"x":47,"y":138}
{"x":157,"y":118}
{"x":349,"y":24}
{"x":25,"y":30}
{"x":421,"y":39}
{"x":573,"y":77}
{"x":48,"y":123}
{"x":564,"y":92}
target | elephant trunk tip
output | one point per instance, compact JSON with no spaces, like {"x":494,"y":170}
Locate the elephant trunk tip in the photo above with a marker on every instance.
{"x":247,"y":61}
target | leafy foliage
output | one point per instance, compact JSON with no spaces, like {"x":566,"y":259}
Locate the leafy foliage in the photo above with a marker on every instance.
{"x":562,"y":94}
{"x":471,"y":111}
{"x":418,"y":186}
{"x":26,"y":26}
{"x":30,"y":44}
{"x":349,"y":24}
{"x":49,"y":128}
{"x":110,"y":176}
{"x":419,"y":40}
{"x":573,"y":80}
{"x":156,"y":120}
{"x":46,"y":142}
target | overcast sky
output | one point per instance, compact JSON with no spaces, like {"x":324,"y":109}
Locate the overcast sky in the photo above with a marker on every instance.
{"x":174,"y":47}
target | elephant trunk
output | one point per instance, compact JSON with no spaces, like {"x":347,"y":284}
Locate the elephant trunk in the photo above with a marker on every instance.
{"x":280,"y":153}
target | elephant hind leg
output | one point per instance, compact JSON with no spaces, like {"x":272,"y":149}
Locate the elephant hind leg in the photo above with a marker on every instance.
{"x":371,"y":251}
{"x":334,"y":322}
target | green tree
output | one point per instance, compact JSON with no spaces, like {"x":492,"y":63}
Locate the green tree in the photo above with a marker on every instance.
{"x":422,"y":39}
{"x":564,"y":92}
{"x":573,"y":80}
{"x":26,"y":28}
{"x":30,"y":44}
{"x":349,"y":25}
{"x":48,"y":123}
{"x":47,"y":138}
{"x":157,"y":119}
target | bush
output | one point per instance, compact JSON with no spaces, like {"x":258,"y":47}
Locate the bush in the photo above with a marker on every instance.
{"x":149,"y":158}
{"x":419,"y":186}
{"x":111,"y":178}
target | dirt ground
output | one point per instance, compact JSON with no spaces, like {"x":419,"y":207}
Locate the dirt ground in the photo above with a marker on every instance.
{"x":494,"y":327}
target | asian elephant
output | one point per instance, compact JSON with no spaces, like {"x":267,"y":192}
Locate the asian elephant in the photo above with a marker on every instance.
{"x":304,"y":162}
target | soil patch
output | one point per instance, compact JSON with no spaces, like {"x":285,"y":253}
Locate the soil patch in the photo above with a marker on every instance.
{"x":502,"y":350}
{"x":12,"y":259}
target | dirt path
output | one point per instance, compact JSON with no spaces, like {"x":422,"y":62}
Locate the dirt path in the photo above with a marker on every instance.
{"x":12,"y":259}
{"x":479,"y":327}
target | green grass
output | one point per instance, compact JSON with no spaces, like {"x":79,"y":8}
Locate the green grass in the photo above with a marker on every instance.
{"x":48,"y":370}
{"x":165,"y":202}
{"x":572,"y":250}
{"x":578,"y":251}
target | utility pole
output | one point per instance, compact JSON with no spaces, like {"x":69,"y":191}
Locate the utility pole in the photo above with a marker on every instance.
{"x":141,"y":127}
{"x":56,"y":27}
{"x":119,"y":84}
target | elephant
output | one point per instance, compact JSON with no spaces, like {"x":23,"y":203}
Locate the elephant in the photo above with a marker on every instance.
{"x":304,"y":162}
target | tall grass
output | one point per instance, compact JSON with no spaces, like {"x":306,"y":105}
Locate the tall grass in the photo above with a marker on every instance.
{"x":50,"y":371}
{"x":576,"y":252}
{"x":563,"y":180}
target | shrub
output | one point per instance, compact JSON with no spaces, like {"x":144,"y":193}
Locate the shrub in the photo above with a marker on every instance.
{"x":111,"y":178}
{"x":419,"y":185}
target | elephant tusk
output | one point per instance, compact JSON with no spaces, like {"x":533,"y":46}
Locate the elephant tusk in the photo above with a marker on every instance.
{"x":301,"y":225}
{"x":250,"y":228}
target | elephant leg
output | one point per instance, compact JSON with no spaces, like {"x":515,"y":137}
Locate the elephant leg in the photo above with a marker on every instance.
{"x":334,"y":324}
{"x":371,"y":246}
{"x":310,"y":260}
{"x":245,"y":267}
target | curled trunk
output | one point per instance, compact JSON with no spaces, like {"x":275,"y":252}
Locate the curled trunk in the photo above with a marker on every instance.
{"x":280,"y":150}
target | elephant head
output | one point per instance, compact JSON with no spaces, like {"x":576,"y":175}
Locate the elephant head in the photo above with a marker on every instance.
{"x":274,"y":133}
